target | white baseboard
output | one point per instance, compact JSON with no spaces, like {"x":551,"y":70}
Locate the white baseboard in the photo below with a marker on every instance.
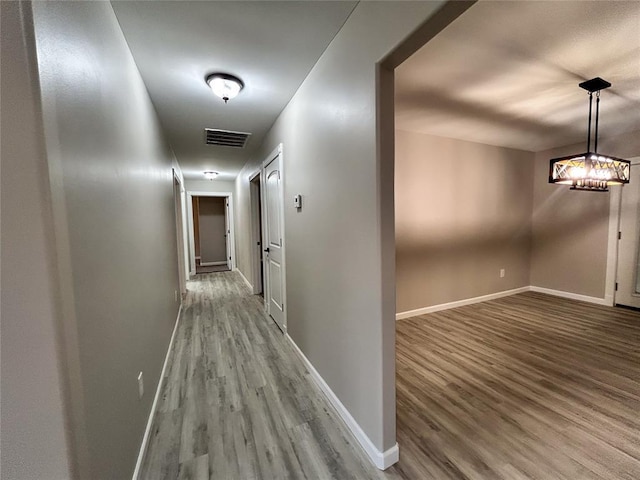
{"x":607,"y":300}
{"x":573,"y":296}
{"x":459,"y":303}
{"x":212,"y":264}
{"x":382,"y":460}
{"x":154,"y":405}
{"x":244,"y":278}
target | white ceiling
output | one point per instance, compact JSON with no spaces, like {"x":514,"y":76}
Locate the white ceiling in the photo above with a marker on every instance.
{"x":507,"y":73}
{"x":271,"y":46}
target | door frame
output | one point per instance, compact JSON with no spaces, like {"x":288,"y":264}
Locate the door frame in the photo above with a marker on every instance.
{"x":255,"y":199}
{"x":615,"y":199}
{"x":179,"y":206}
{"x":265,"y":226}
{"x":231,"y":239}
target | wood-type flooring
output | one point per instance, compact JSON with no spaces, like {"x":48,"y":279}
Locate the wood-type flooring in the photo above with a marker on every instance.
{"x":524,"y":387}
{"x":237,"y":402}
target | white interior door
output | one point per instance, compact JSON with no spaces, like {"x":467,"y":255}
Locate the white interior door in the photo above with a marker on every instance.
{"x":628,"y":276}
{"x":274,"y":248}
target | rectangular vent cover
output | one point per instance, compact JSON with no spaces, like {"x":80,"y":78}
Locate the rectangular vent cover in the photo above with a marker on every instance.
{"x":225,"y":138}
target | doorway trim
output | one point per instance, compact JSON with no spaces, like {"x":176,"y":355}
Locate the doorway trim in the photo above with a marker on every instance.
{"x":255,"y":199}
{"x":615,"y":198}
{"x":232,"y":237}
{"x":183,"y":267}
{"x":268,"y":159}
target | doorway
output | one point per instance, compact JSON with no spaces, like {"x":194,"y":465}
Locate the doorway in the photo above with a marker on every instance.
{"x":256,"y":234}
{"x":627,"y":287}
{"x":211,"y":232}
{"x":178,"y":199}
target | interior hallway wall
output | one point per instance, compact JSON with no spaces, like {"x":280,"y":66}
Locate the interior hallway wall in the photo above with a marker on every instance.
{"x":213,"y":241}
{"x":225,"y":186}
{"x":33,"y":442}
{"x":570,"y":228}
{"x":112,"y":186}
{"x":333,"y":245}
{"x":463,"y":213}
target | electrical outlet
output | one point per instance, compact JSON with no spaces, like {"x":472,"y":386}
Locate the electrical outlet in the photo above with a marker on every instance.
{"x":140,"y":385}
{"x":175,"y":295}
{"x":502,"y":273}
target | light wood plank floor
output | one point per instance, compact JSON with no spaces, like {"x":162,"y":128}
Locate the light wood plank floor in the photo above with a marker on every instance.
{"x":237,"y":404}
{"x":524,"y":387}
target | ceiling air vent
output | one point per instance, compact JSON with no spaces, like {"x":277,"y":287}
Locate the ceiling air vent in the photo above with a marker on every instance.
{"x":225,"y":138}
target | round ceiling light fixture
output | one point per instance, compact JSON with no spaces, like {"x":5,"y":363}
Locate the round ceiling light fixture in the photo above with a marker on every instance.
{"x":224,"y":85}
{"x":210,"y":175}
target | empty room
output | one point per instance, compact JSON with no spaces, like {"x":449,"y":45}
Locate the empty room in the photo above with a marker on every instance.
{"x":511,"y":359}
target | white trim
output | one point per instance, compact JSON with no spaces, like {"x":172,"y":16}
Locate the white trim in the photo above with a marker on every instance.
{"x":191,"y":235}
{"x":615,"y":210}
{"x":212,"y":264}
{"x":181,"y":237}
{"x":608,"y":301}
{"x":571,"y":296}
{"x":231,"y":239}
{"x":278,"y":151}
{"x":459,"y":303}
{"x":154,"y":405}
{"x":382,"y":460}
{"x":244,"y":278}
{"x":255,"y":174}
{"x":612,"y":244}
{"x":255,"y":200}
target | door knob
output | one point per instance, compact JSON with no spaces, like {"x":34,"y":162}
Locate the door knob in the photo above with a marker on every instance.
{"x":266,"y":249}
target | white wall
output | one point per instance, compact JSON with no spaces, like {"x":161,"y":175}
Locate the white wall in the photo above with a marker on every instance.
{"x":33,"y":442}
{"x":112,"y":195}
{"x":334,"y":285}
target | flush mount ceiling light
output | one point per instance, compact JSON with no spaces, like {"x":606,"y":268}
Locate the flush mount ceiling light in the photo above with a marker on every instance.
{"x":590,"y":171}
{"x":224,"y":85}
{"x":210,"y":175}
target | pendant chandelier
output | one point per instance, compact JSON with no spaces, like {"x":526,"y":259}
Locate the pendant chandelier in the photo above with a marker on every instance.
{"x":590,"y":171}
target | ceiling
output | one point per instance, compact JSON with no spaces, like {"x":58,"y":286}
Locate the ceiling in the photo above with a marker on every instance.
{"x":507,"y":74}
{"x":271,"y":46}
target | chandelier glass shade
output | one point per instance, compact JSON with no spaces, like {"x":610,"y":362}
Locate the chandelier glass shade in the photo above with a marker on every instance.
{"x":591,"y":171}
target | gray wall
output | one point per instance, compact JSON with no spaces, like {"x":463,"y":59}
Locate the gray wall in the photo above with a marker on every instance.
{"x":463,"y":212}
{"x":569,"y":250}
{"x":33,"y":443}
{"x":213,"y":243}
{"x":333,"y":249}
{"x":114,"y":217}
{"x":227,"y":186}
{"x":453,"y":234}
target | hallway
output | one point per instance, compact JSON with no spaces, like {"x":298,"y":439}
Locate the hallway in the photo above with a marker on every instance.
{"x":237,"y":403}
